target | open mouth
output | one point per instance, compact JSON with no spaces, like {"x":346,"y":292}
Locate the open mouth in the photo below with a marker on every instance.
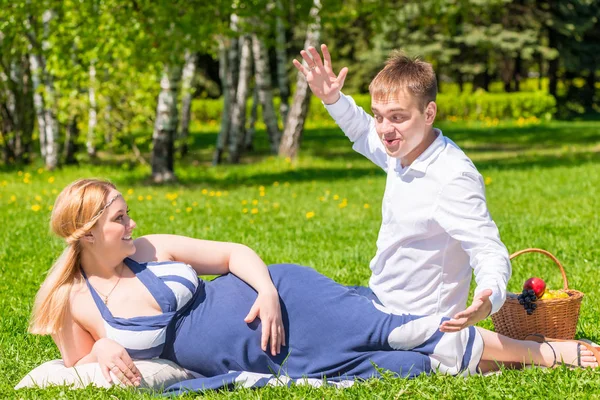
{"x":391,"y":141}
{"x":127,"y":238}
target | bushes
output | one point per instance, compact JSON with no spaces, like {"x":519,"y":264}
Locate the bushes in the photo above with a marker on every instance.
{"x":476,"y":106}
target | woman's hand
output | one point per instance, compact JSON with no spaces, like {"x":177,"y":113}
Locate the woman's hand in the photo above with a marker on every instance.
{"x":113,"y":357}
{"x":267,"y":308}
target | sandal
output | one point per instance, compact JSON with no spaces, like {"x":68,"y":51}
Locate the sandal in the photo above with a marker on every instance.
{"x":539,"y":338}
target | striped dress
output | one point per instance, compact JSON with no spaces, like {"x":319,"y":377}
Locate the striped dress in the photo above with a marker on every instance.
{"x":331,"y":331}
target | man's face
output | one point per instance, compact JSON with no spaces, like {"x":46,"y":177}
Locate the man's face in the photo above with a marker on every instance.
{"x":402,"y":125}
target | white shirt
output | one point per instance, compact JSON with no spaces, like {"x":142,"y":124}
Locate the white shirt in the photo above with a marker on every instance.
{"x":435,"y":227}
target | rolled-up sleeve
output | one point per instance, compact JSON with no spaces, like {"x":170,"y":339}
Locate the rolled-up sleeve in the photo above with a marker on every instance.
{"x":359,"y":127}
{"x":462,"y":212}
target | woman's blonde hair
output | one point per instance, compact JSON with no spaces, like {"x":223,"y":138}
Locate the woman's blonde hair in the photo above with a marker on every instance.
{"x":76,"y":210}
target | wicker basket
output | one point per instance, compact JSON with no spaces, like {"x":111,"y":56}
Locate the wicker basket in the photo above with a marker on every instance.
{"x":555,"y":318}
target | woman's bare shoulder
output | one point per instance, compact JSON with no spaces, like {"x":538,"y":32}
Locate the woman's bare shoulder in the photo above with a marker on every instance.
{"x":149,"y":248}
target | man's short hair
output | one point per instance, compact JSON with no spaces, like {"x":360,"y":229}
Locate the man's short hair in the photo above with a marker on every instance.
{"x":402,"y":73}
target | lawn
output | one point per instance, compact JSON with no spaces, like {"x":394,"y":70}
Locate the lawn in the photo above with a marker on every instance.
{"x":543,"y":190}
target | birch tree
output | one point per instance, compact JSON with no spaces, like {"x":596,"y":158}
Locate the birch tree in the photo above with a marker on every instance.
{"x":187,"y":80}
{"x":43,"y":86}
{"x":92,"y":113}
{"x":228,"y":73}
{"x":282,"y":61}
{"x":238,"y":113}
{"x":265,"y":92}
{"x":165,"y":126}
{"x":290,"y":142}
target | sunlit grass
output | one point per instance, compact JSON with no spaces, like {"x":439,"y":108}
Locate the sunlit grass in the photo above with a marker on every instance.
{"x":323,"y":210}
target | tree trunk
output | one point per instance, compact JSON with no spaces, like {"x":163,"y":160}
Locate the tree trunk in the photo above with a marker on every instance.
{"x":553,"y":64}
{"x":249,"y":141}
{"x":290,"y":142}
{"x":93,"y":113}
{"x":165,"y":126}
{"x":47,"y":123}
{"x":517,"y":73}
{"x":71,"y":141}
{"x":589,"y":89}
{"x":282,"y":63}
{"x":228,"y":73}
{"x":238,"y":113}
{"x":187,"y":80}
{"x":265,"y":93}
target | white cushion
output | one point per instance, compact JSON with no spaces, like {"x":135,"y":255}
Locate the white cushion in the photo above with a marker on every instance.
{"x":156,"y":375}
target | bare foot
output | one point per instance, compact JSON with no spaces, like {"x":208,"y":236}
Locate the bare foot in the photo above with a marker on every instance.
{"x":566,"y":352}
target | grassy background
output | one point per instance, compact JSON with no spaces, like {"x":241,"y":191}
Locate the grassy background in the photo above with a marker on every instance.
{"x":543,"y":186}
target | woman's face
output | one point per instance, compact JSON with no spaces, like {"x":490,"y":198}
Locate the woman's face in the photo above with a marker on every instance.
{"x":112,"y":232}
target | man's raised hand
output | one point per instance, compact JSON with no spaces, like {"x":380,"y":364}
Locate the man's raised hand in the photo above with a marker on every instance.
{"x":320,"y":76}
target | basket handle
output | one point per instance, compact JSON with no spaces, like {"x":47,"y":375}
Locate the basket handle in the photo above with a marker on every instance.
{"x":547,"y":253}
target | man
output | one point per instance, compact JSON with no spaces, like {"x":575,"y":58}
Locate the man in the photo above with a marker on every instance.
{"x":436,"y":227}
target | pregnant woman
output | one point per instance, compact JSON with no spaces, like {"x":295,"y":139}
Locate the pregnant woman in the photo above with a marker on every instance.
{"x":111,"y":299}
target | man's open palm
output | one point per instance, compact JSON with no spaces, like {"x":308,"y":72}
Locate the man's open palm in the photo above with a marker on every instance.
{"x":320,"y":76}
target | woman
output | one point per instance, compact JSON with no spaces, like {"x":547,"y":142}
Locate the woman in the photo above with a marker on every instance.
{"x":110,"y":299}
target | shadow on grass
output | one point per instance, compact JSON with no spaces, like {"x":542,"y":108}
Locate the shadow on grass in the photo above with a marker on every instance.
{"x":511,"y":147}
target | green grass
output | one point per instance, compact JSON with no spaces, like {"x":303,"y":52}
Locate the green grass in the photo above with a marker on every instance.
{"x":544,"y":192}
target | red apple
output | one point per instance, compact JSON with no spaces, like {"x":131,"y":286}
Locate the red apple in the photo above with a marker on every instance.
{"x":537,"y":285}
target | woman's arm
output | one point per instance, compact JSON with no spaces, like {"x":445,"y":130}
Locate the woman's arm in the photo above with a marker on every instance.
{"x":77,"y":347}
{"x":218,"y":258}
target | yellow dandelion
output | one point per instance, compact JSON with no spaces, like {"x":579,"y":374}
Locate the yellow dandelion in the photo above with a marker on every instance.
{"x":174,"y":203}
{"x":20,"y":173}
{"x":288,"y":160}
{"x":211,"y":193}
{"x":26,"y":180}
{"x":245,"y":210}
{"x":254,"y":211}
{"x":204,"y":191}
{"x":195,"y":204}
{"x":38,"y":198}
{"x":336,"y":197}
{"x":261,"y":188}
{"x":322,"y":198}
{"x":172,"y":218}
{"x":254,"y":202}
{"x":366,"y":205}
{"x":262,"y":194}
{"x":54,"y":191}
{"x":50,"y":208}
{"x":488,"y":180}
{"x":244,"y":202}
{"x":13,"y":198}
{"x":218,"y":194}
{"x":178,"y":211}
{"x":275,"y":183}
{"x":149,"y":197}
{"x":130,"y":191}
{"x":310,"y":214}
{"x":275,"y":205}
{"x":27,"y":175}
{"x":4,"y":183}
{"x":140,"y":198}
{"x":188,"y":209}
{"x":36,"y":207}
{"x":327,"y":193}
{"x":40,"y":170}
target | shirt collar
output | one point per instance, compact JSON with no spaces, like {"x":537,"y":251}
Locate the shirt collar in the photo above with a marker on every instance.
{"x":425,"y":158}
